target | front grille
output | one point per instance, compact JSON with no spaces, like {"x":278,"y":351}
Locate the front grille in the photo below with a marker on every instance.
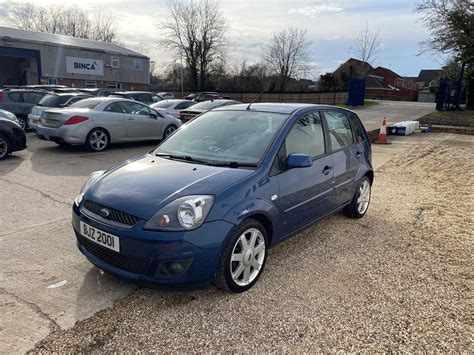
{"x":120,"y":261}
{"x":115,"y":215}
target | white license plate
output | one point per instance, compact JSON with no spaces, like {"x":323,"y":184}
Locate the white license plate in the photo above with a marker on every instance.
{"x":54,"y":123}
{"x":102,"y":238}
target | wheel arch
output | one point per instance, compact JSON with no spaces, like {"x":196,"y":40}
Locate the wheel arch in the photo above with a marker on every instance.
{"x":266,"y":223}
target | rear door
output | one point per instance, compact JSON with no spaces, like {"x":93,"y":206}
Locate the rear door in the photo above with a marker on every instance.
{"x":140,"y":122}
{"x":346,"y":154}
{"x":305,"y":193}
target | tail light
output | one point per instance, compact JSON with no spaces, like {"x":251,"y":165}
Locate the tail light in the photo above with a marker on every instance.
{"x":75,"y":120}
{"x":1,"y":96}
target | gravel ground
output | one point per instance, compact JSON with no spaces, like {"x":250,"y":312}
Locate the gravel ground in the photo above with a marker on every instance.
{"x":400,"y":279}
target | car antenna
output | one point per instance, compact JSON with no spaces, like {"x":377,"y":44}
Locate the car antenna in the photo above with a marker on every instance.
{"x":259,"y":96}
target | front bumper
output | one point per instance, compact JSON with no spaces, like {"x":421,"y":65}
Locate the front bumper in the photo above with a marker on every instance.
{"x":67,"y":134}
{"x":141,"y":251}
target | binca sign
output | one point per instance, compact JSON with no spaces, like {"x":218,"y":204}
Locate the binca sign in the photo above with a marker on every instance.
{"x":84,"y":66}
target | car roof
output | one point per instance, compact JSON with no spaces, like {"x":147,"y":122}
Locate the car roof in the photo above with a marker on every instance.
{"x":135,"y":92}
{"x":286,"y":108}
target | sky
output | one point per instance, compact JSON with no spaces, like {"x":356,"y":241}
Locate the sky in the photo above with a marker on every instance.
{"x":332,"y":27}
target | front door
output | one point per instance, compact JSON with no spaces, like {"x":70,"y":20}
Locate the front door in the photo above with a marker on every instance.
{"x":305,"y":193}
{"x":140,"y":122}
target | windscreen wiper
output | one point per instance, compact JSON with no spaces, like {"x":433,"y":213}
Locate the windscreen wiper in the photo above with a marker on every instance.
{"x":183,"y":157}
{"x":235,"y":164}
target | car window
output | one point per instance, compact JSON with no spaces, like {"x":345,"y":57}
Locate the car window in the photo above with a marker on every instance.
{"x":143,"y":98}
{"x":340,"y":132}
{"x":155,"y":98}
{"x":87,"y":103}
{"x":15,"y":96}
{"x":49,"y":100}
{"x":133,"y":108}
{"x":162,"y":104}
{"x":114,"y":107}
{"x":183,"y":105}
{"x":32,"y":97}
{"x":359,"y":129}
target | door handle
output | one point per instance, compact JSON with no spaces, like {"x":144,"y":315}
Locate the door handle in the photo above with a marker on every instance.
{"x":358,"y":155}
{"x":131,"y":119}
{"x":326,"y":170}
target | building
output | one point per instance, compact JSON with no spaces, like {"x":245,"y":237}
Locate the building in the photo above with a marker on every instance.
{"x":28,"y":57}
{"x":428,"y":78}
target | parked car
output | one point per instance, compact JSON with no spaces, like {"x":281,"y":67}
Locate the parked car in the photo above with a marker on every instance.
{"x":142,"y":96}
{"x":8,"y":115}
{"x":172,"y":107}
{"x":166,"y":95}
{"x":193,"y":111}
{"x":100,"y":91}
{"x":209,"y":201}
{"x":12,"y":137}
{"x":100,"y":121}
{"x":20,"y":102}
{"x":204,"y":96}
{"x":50,"y":101}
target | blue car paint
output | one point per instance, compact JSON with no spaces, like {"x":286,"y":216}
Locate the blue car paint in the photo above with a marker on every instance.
{"x":144,"y":185}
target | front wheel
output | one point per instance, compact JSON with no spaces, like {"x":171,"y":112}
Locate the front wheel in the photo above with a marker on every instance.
{"x":360,"y":202}
{"x":243,"y":257}
{"x":23,"y":122}
{"x":4,"y":147}
{"x":97,"y":140}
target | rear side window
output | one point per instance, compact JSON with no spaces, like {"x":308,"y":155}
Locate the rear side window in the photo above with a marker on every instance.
{"x":184,"y":105}
{"x":359,"y":129}
{"x":15,"y":96}
{"x":340,"y":132}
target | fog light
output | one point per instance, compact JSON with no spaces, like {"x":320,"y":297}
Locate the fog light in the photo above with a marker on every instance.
{"x":173,"y":268}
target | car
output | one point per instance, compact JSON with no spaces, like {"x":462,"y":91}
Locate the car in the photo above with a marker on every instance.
{"x":53,"y":100}
{"x":20,"y":102}
{"x":100,"y":91}
{"x":100,"y":121}
{"x":172,"y":107}
{"x":166,"y":95}
{"x":208,"y":203}
{"x":142,"y":96}
{"x":204,"y":96}
{"x":12,"y":137}
{"x":195,"y":110}
{"x":8,"y":115}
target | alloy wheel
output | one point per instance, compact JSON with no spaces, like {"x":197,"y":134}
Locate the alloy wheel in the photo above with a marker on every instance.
{"x":3,"y":147}
{"x":22,"y":122}
{"x":247,"y":257}
{"x":169,"y":131}
{"x":364,"y":197}
{"x":98,"y":140}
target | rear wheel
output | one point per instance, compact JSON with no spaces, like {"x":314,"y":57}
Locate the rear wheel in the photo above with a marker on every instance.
{"x":243,"y":258}
{"x":97,"y":140}
{"x":361,"y":200}
{"x":4,"y":147}
{"x":169,"y":131}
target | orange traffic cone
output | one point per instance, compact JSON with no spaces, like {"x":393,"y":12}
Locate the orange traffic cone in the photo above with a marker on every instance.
{"x":383,"y":133}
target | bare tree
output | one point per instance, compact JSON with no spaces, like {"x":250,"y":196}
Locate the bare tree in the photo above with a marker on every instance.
{"x":287,"y":55}
{"x":64,"y":20}
{"x":367,"y":46}
{"x":196,"y":30}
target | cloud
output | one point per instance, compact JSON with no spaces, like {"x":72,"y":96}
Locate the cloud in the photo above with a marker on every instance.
{"x":317,"y":8}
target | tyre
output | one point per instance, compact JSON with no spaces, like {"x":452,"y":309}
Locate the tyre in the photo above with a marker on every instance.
{"x":4,"y":147}
{"x":23,"y":122}
{"x":169,"y":130}
{"x":243,"y":258}
{"x":361,"y":200}
{"x":97,"y":140}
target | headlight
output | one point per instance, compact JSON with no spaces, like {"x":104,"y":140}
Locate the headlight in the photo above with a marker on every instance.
{"x":93,"y":178}
{"x":185,"y":213}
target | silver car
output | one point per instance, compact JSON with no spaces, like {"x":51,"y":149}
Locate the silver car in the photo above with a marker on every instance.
{"x":172,"y":107}
{"x":98,"y":122}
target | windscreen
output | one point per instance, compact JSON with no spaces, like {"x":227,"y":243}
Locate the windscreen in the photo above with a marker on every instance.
{"x":225,"y":137}
{"x":49,"y":100}
{"x":162,"y":104}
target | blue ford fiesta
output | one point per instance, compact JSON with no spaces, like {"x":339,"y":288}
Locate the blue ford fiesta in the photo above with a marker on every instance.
{"x":209,"y":201}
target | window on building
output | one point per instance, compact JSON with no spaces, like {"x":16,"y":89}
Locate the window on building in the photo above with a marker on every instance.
{"x":53,"y":81}
{"x":91,"y":84}
{"x":340,"y":132}
{"x":111,"y":85}
{"x":115,"y":62}
{"x":137,"y":64}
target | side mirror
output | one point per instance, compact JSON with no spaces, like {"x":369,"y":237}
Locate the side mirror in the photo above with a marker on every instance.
{"x":298,"y":160}
{"x":154,"y":114}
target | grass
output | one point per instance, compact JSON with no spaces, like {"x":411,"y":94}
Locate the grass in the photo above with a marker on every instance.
{"x":450,"y":118}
